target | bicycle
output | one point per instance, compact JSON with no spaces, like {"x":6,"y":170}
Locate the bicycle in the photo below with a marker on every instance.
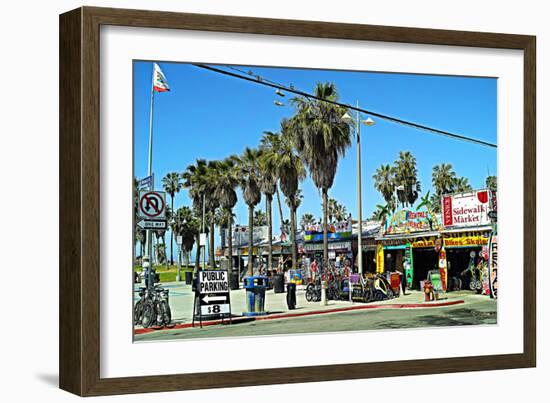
{"x":153,"y":307}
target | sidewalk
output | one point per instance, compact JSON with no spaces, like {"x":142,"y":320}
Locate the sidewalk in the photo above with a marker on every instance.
{"x":181,"y":303}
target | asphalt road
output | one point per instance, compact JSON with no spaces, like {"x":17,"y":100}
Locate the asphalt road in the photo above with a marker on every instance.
{"x":481,"y":312}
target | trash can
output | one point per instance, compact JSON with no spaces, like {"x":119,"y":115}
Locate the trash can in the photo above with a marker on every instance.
{"x":291,"y":296}
{"x":255,"y":295}
{"x":188,"y":277}
{"x":278,"y":283}
{"x":234,"y":281}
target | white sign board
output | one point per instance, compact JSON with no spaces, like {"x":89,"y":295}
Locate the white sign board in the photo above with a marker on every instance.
{"x":213,"y":281}
{"x":215,"y":309}
{"x":179,"y":240}
{"x":213,"y":292}
{"x":152,"y":205}
{"x":202,"y":239}
{"x":466,"y":209}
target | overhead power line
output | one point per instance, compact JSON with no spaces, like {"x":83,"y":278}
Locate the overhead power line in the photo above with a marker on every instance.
{"x":257,"y":79}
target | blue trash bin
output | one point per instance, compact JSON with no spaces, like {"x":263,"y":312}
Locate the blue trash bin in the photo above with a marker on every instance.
{"x":255,"y":287}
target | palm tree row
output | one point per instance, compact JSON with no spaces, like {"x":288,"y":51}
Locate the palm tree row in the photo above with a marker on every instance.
{"x":316,"y":137}
{"x":399,"y":184}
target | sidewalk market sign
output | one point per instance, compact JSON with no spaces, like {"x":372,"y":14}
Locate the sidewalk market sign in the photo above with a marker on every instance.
{"x":466,"y":209}
{"x":340,"y":230}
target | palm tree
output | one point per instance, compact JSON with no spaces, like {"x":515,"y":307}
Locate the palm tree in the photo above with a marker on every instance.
{"x":260,"y":218}
{"x":268,"y":185}
{"x":172,"y":184}
{"x":385,"y":184}
{"x":226,"y":194}
{"x":322,"y":138}
{"x":248,"y":164}
{"x":336,"y":212}
{"x":425,"y":201}
{"x":212,"y":203}
{"x":443,"y":179}
{"x":186,"y":225}
{"x":307,"y":220}
{"x":381,"y":214}
{"x":491,"y":182}
{"x":194,"y":179}
{"x":290,"y":171}
{"x":462,"y":185}
{"x":405,"y":179}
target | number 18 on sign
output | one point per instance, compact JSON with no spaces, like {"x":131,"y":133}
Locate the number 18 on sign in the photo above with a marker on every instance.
{"x":213,"y":292}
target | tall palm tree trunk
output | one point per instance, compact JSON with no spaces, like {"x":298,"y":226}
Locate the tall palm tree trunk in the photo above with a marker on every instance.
{"x":230,"y":242}
{"x":293,"y":236}
{"x":325,"y":228}
{"x":211,"y":244}
{"x":281,"y":217}
{"x":250,"y":239}
{"x":172,"y":236}
{"x":269,"y":214}
{"x":198,"y":253}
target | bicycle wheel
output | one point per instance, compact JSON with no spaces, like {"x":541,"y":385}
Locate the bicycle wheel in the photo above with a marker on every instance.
{"x":309,"y":295}
{"x":148,"y":316}
{"x":165,"y":313}
{"x":138,"y":312}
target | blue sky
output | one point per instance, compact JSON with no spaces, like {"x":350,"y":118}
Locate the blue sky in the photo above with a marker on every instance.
{"x":209,"y":115}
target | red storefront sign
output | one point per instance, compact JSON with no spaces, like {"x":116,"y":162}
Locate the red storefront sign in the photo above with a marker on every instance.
{"x":466,"y":209}
{"x":447,"y":210}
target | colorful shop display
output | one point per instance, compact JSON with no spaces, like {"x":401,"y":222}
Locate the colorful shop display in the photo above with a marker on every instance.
{"x":443,"y":268}
{"x":465,"y":241}
{"x":493,"y":266}
{"x":380,"y":258}
{"x":408,"y":265}
{"x":407,"y":221}
{"x":340,"y":230}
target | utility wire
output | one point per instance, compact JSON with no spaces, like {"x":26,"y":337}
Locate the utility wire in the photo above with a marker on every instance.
{"x":254,"y":78}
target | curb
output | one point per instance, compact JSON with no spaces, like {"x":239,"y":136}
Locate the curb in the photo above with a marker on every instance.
{"x":239,"y":319}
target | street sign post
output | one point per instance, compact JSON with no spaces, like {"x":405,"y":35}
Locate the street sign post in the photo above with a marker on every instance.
{"x":146,"y":183}
{"x":152,"y":224}
{"x":212,"y":295}
{"x":152,"y":205}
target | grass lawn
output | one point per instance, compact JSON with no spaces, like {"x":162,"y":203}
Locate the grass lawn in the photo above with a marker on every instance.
{"x":168,"y":274}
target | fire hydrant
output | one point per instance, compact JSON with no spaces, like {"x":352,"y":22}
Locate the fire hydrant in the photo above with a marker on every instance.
{"x":428,"y":291}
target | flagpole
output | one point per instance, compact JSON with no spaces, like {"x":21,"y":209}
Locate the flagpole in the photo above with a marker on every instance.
{"x":149,"y":234}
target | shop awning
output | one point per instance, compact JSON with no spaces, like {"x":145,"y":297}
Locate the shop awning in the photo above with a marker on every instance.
{"x":467,"y":229}
{"x":407,"y":236}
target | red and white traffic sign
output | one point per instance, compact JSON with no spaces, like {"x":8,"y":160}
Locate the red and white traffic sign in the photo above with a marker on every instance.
{"x":152,"y":205}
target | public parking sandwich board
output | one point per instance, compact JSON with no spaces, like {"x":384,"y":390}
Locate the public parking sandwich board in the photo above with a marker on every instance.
{"x":213,"y":292}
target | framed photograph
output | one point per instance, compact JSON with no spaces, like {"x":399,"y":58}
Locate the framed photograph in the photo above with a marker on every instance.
{"x":249,"y":201}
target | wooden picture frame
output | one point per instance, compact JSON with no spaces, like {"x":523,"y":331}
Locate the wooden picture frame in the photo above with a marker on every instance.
{"x":79,"y":346}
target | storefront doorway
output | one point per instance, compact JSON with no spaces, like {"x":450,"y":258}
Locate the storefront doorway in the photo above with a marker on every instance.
{"x":458,"y":260}
{"x":424,"y":260}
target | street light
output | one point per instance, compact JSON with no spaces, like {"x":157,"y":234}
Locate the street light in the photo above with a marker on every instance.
{"x":357,"y":124}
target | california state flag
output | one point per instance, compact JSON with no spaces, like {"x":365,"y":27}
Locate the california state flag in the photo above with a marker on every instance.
{"x":159,"y":81}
